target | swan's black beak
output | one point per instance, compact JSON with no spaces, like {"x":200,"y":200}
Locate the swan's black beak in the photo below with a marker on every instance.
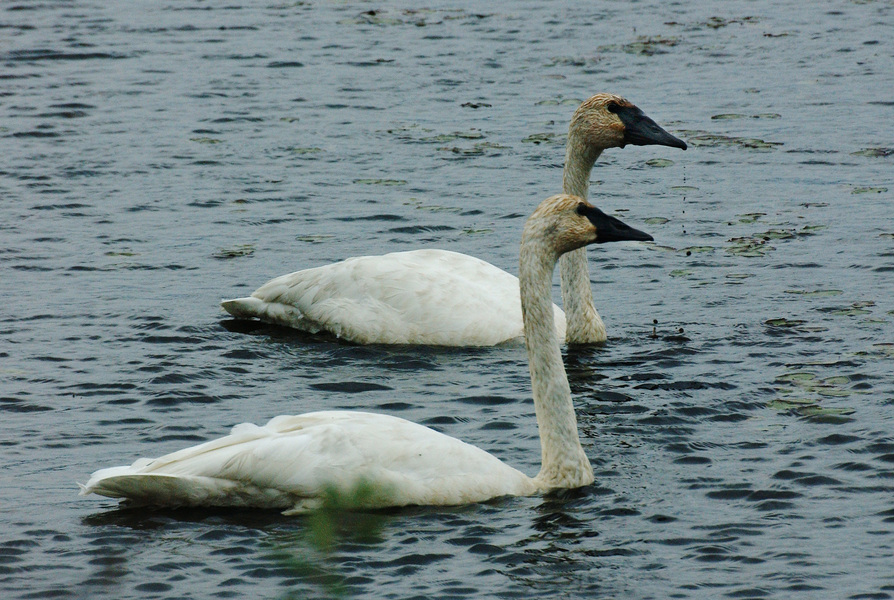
{"x":640,"y":130}
{"x":611,"y":229}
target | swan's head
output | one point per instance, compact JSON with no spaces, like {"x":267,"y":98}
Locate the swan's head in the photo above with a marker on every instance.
{"x":609,"y":121}
{"x":568,"y":222}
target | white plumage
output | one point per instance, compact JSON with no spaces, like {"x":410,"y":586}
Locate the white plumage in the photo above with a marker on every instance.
{"x":444,"y":298}
{"x":434,"y":297}
{"x":289,"y":462}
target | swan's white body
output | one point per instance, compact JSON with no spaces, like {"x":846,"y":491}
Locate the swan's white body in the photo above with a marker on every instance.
{"x":434,"y":297}
{"x":413,"y":298}
{"x":288,"y":463}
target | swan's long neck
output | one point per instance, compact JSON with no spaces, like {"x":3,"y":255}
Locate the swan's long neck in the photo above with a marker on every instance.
{"x":564,"y":464}
{"x":584,"y":325}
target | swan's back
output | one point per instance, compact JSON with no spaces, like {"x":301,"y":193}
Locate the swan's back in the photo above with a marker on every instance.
{"x":432,"y":297}
{"x":292,"y":460}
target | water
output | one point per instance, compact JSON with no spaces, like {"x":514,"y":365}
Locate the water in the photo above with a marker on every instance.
{"x":155,"y":158}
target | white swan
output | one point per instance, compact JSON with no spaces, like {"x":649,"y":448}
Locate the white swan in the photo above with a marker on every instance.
{"x":291,"y":461}
{"x":444,"y":298}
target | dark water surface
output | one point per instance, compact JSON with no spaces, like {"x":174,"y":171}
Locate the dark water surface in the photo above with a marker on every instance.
{"x":157,"y":157}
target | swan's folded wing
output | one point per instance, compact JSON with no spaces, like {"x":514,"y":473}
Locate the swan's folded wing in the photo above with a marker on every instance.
{"x":292,"y":459}
{"x":433,"y":297}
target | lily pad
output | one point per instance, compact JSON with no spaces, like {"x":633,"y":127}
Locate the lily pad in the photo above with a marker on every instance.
{"x":313,"y":150}
{"x":704,"y":138}
{"x":783,"y":322}
{"x":698,"y":249}
{"x":205,"y":140}
{"x":815,"y":293}
{"x":656,"y":221}
{"x":315,"y":239}
{"x":680,"y":273}
{"x":748,"y":247}
{"x":235,"y":251}
{"x":474,"y":231}
{"x":660,"y":162}
{"x":684,"y":188}
{"x":546,"y":138}
{"x":560,"y":102}
{"x":874,"y":152}
{"x":750,"y":217}
{"x":868,"y":190}
{"x":385,"y":182}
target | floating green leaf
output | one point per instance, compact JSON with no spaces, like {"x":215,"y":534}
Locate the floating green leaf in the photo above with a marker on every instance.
{"x":750,"y":217}
{"x":235,"y":251}
{"x":385,"y":182}
{"x":656,"y":221}
{"x":545,"y":138}
{"x":868,"y":190}
{"x":680,"y":273}
{"x":783,"y":322}
{"x":315,"y":239}
{"x":815,"y":293}
{"x":874,"y":152}
{"x":659,"y":162}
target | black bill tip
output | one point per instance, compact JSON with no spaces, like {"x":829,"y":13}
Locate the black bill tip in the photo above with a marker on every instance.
{"x":612,"y":229}
{"x":640,"y":130}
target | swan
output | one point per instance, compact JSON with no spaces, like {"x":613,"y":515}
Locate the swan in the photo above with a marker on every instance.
{"x":443,"y":298}
{"x":290,"y":462}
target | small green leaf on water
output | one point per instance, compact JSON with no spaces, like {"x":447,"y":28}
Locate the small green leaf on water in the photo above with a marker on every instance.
{"x":680,"y":273}
{"x":815,"y":293}
{"x":748,"y":247}
{"x":386,"y":182}
{"x":750,"y":217}
{"x":697,"y":249}
{"x":289,"y":119}
{"x":868,"y":190}
{"x":874,"y":152}
{"x":776,"y":234}
{"x":312,"y":150}
{"x":656,"y":221}
{"x":315,"y":239}
{"x":851,"y":312}
{"x":205,"y":140}
{"x":235,"y":251}
{"x":798,"y":377}
{"x":809,"y":229}
{"x":728,"y":116}
{"x":684,"y":188}
{"x":767,"y":116}
{"x":739,"y":275}
{"x":560,"y":102}
{"x":122,"y":253}
{"x":545,"y":138}
{"x":783,"y":322}
{"x":473,"y":231}
{"x":659,"y":162}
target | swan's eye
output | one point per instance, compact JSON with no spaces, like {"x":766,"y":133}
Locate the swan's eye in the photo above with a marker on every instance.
{"x":613,"y":107}
{"x":581,"y":209}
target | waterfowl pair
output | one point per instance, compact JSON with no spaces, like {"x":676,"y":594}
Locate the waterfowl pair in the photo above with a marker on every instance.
{"x":439,"y":297}
{"x":291,"y":461}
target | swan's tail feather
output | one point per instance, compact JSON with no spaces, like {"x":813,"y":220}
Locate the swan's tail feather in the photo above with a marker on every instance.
{"x":269,"y":312}
{"x":178,"y":490}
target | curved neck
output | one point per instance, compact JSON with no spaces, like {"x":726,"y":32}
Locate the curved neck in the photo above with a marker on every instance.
{"x":564,"y":464}
{"x":584,"y":325}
